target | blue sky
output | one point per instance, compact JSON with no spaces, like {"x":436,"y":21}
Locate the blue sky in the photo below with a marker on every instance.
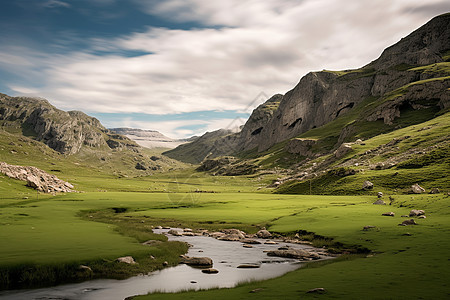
{"x":184,"y":67}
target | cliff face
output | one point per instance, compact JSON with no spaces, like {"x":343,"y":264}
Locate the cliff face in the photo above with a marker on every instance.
{"x":412,"y":74}
{"x":65,"y":132}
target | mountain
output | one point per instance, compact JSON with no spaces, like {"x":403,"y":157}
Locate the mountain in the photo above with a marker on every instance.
{"x":149,"y":138}
{"x":407,"y":84}
{"x":34,"y":132}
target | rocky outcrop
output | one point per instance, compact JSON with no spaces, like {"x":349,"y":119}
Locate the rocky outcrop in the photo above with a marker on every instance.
{"x":36,"y":178}
{"x":302,"y":147}
{"x":64,"y":132}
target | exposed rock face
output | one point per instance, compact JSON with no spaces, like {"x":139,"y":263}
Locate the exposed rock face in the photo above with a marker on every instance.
{"x":65,"y":132}
{"x":321,"y":97}
{"x":36,"y":178}
{"x":301,"y":147}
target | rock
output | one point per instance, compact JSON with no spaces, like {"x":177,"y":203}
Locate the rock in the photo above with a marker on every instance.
{"x":293,"y":253}
{"x":216,"y":234}
{"x":404,"y":216}
{"x":158,"y":227}
{"x":284,"y":248}
{"x":301,"y":147}
{"x":256,"y":290}
{"x":389,"y":214}
{"x":151,"y":243}
{"x":188,"y":234}
{"x":379,"y":202}
{"x":342,"y":150}
{"x":417,"y":189}
{"x":174,"y":232}
{"x":250,"y":241}
{"x":422,"y":217}
{"x":407,"y":234}
{"x":193,"y":281}
{"x":367,"y":227}
{"x":416,"y":212}
{"x":233,"y":231}
{"x":408,"y":222}
{"x":85,"y":268}
{"x":248,"y":266}
{"x":210,"y":271}
{"x":140,"y":166}
{"x":230,"y":237}
{"x":247,"y":246}
{"x":165,"y":264}
{"x":187,"y":230}
{"x":36,"y":178}
{"x":435,"y":191}
{"x":263,"y":234}
{"x":380,"y":195}
{"x":270,"y":243}
{"x":367,"y":185}
{"x":196,"y":261}
{"x":317,"y":291}
{"x":127,"y":260}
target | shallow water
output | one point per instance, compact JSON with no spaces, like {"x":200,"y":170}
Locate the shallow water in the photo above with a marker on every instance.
{"x":227,"y":256}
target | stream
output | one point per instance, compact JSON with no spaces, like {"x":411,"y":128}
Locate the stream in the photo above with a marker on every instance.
{"x":227,"y":256}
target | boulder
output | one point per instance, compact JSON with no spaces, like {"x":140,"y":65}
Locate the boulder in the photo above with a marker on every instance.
{"x":196,"y":261}
{"x":247,"y":246}
{"x":174,"y":232}
{"x":417,"y":189}
{"x":379,"y":202}
{"x":416,"y":212}
{"x":233,"y":231}
{"x":342,"y":150}
{"x":270,"y":243}
{"x":380,"y":195}
{"x":435,"y":191}
{"x":408,"y":222}
{"x":389,"y":214}
{"x":230,"y":237}
{"x":423,"y":217}
{"x":216,"y":234}
{"x":127,"y":260}
{"x":85,"y":268}
{"x":210,"y":271}
{"x":367,"y":185}
{"x":294,"y":253}
{"x":263,"y":234}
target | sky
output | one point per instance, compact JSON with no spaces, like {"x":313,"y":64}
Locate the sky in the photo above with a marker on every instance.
{"x":184,"y":67}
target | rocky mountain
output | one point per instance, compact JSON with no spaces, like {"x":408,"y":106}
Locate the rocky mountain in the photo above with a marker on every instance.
{"x":64,"y":132}
{"x":409,"y":81}
{"x":149,"y":138}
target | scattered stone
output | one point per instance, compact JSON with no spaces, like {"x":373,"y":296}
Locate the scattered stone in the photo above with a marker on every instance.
{"x":247,"y":246}
{"x":165,"y":264}
{"x":380,"y":195}
{"x":407,"y":234}
{"x":188,"y":234}
{"x":250,"y":241}
{"x":422,"y":217}
{"x":263,"y":234}
{"x":389,"y":214}
{"x":193,"y":281}
{"x":367,"y":227}
{"x":196,"y":261}
{"x":294,"y":253}
{"x":233,"y":231}
{"x":158,"y":227}
{"x":152,"y":257}
{"x":408,"y":222}
{"x":416,"y":212}
{"x":165,"y":227}
{"x":127,"y":260}
{"x":230,"y":237}
{"x":417,"y":189}
{"x":216,"y":234}
{"x":256,"y":290}
{"x":248,"y":266}
{"x":405,"y":216}
{"x":187,"y":230}
{"x":210,"y":271}
{"x":284,"y":248}
{"x":379,"y":202}
{"x":435,"y":191}
{"x":317,"y":291}
{"x":367,"y":185}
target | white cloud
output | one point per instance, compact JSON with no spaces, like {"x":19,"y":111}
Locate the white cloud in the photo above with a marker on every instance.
{"x":266,"y":46}
{"x":55,"y":4}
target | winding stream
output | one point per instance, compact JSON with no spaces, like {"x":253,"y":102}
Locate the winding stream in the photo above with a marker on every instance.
{"x":227,"y":256}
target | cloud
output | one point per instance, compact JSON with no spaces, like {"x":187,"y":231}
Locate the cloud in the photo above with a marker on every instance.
{"x":55,"y":4}
{"x":241,"y":49}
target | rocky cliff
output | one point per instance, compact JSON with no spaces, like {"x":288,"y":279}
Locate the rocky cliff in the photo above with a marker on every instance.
{"x":413,"y":74}
{"x":65,"y":132}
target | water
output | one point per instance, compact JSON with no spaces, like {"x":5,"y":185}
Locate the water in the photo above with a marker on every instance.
{"x":227,"y":256}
